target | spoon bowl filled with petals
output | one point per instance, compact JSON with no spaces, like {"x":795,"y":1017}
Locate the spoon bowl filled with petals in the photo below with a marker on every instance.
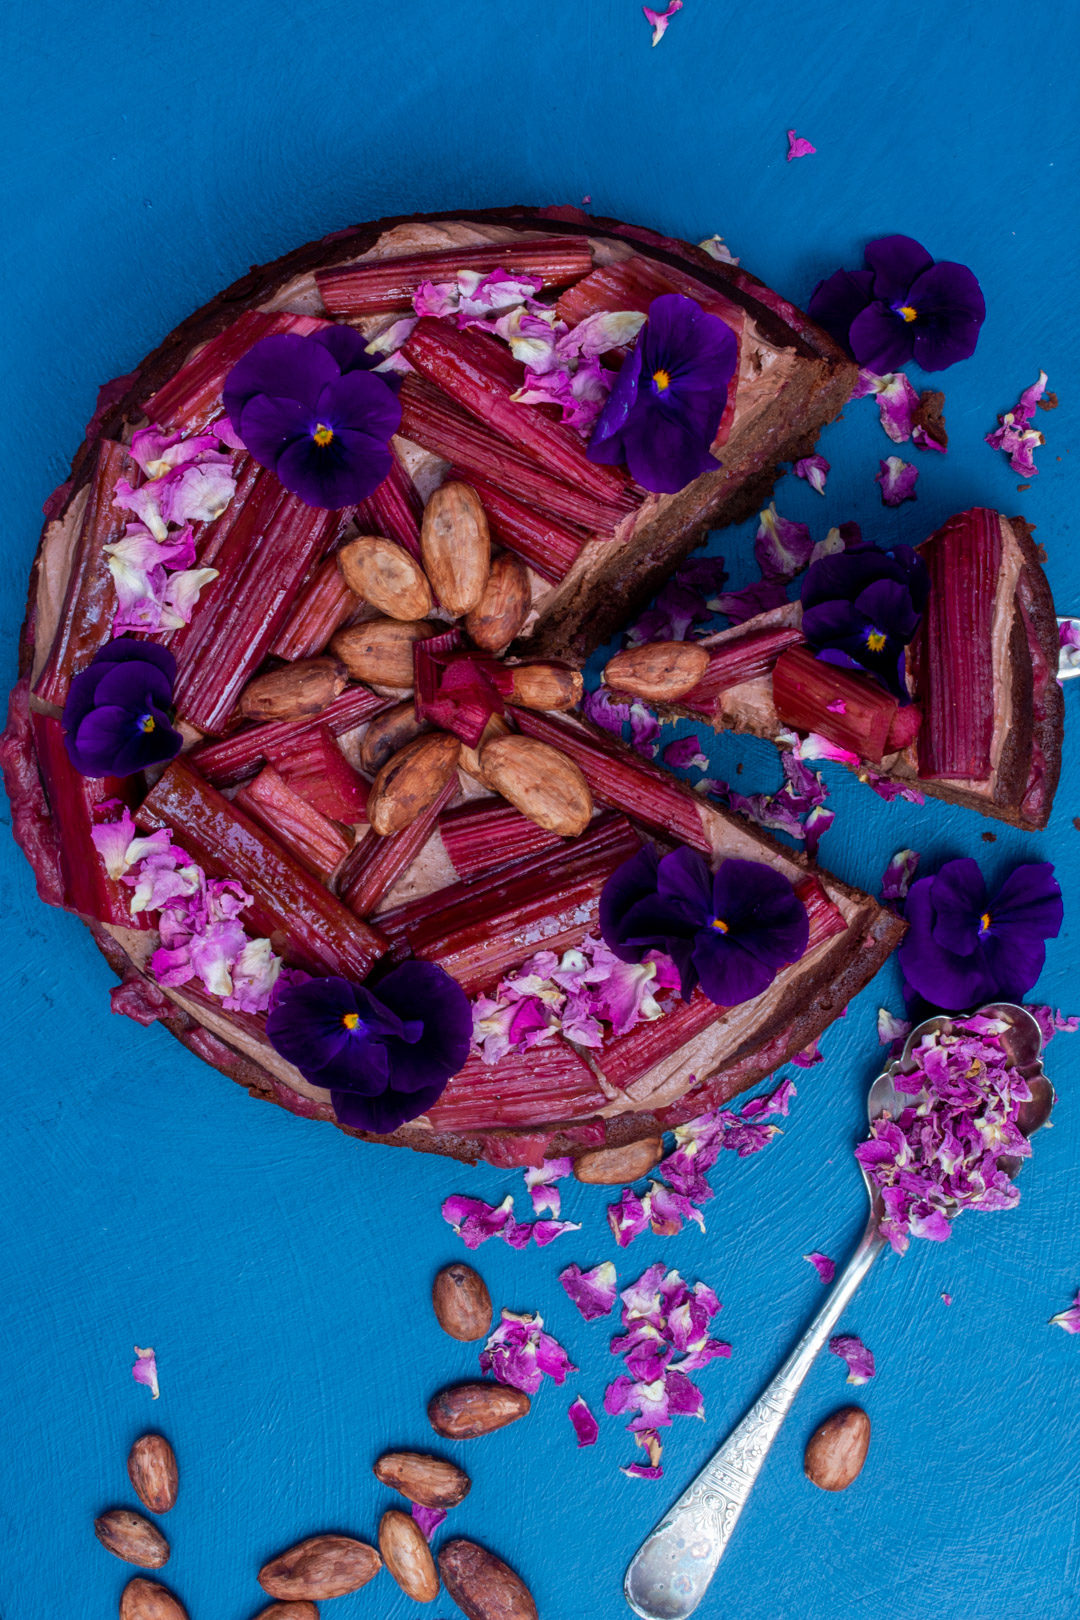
{"x":949,"y":1120}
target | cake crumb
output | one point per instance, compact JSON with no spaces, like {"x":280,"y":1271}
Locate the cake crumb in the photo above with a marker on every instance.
{"x":1020,"y":488}
{"x":1049,"y":402}
{"x":1076,"y":822}
{"x":738,"y":768}
{"x":989,"y":838}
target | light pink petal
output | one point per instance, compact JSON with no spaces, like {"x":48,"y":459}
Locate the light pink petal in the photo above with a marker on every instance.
{"x":254,"y":974}
{"x":890,"y":1028}
{"x":112,"y":840}
{"x":182,"y":592}
{"x":196,"y":493}
{"x":658,"y":20}
{"x":145,"y":1370}
{"x":897,"y":479}
{"x":436,"y":299}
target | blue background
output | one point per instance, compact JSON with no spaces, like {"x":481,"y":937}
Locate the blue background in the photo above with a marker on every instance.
{"x":282,"y":1271}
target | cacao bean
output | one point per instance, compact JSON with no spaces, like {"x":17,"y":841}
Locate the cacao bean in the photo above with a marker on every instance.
{"x":546,"y":686}
{"x":294,"y":692}
{"x":380,"y":651}
{"x":504,"y":605}
{"x":614,"y":1166}
{"x":455,"y":546}
{"x":129,"y":1536}
{"x":320,"y":1567}
{"x":146,"y":1600}
{"x":836,"y":1450}
{"x":383,"y":573}
{"x":431,"y":1481}
{"x":540,"y":781}
{"x":461,"y":1301}
{"x":387,"y":733}
{"x":467,"y":1411}
{"x":482,"y":1586}
{"x":153,"y":1472}
{"x":411,"y":780}
{"x":407,"y":1556}
{"x":657,"y":671}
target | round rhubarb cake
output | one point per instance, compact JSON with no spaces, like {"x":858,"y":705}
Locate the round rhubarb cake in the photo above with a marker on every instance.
{"x":298,"y":730}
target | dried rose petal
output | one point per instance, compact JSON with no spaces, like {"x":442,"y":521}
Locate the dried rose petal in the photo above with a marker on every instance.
{"x":521,"y":1354}
{"x":946,"y":1299}
{"x":585,"y":1425}
{"x":658,"y":20}
{"x":1070,"y":1319}
{"x":782,"y":548}
{"x":890,"y":1028}
{"x":429,"y":1519}
{"x":825,"y":1268}
{"x":473,"y":1220}
{"x":145,"y":1370}
{"x":593,"y":1292}
{"x":1014,"y":435}
{"x":629,"y":1217}
{"x":859,"y":1359}
{"x":897,"y":479}
{"x":774,"y":1102}
{"x":545,"y":1232}
{"x":815,"y":469}
{"x":896,"y":879}
{"x":797,"y":147}
{"x":540,"y":1180}
{"x":897,"y":400}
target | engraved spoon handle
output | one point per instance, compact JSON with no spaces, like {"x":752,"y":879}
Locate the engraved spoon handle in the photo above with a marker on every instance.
{"x":672,"y":1569}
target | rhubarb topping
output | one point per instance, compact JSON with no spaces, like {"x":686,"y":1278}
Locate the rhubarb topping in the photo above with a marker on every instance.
{"x":743,"y":658}
{"x":394,"y":509}
{"x":375,"y":865}
{"x":384,"y":285}
{"x":314,"y":929}
{"x":229,"y":761}
{"x":477,"y":372}
{"x":314,"y":767}
{"x":320,"y":607}
{"x":954,"y":647}
{"x":481,"y":836}
{"x":455,"y":690}
{"x":90,"y":597}
{"x":317,"y":842}
{"x":850,"y":710}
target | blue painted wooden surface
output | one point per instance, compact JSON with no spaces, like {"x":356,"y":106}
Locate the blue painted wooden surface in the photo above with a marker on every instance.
{"x":281,"y":1271}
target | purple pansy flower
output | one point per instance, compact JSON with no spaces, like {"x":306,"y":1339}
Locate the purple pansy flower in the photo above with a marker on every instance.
{"x":385,"y":1055}
{"x":664,"y":410}
{"x":117,"y":718}
{"x":313,"y":410}
{"x":963,"y":948}
{"x":862,"y":606}
{"x":902,"y":307}
{"x":731,"y":931}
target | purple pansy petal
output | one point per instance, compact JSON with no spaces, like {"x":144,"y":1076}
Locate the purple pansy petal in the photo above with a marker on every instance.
{"x":348,"y":347}
{"x":585,"y":1425}
{"x":593,"y":1292}
{"x":339,"y":474}
{"x":859,"y":1359}
{"x":951,"y":311}
{"x":759,"y":597}
{"x":836,"y":301}
{"x":270,"y":425}
{"x":145,"y":1370}
{"x":284,"y":366}
{"x":895,"y":262}
{"x":825,"y":1268}
{"x":880,"y":340}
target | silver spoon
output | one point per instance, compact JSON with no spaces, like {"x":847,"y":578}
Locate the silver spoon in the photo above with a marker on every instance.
{"x":671,"y":1570}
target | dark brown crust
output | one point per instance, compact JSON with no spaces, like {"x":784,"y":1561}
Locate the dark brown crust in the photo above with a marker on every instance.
{"x":826,"y":383}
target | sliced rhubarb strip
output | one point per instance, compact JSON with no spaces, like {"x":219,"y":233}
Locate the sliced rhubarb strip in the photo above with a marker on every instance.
{"x":545,"y":1084}
{"x":229,"y":761}
{"x":456,"y":691}
{"x":74,"y":799}
{"x":192,"y":398}
{"x":315,"y":768}
{"x":306,"y":923}
{"x":265,"y":557}
{"x":33,"y":824}
{"x":621,"y":779}
{"x":89,"y":600}
{"x":548,"y":544}
{"x":429,"y":418}
{"x":318,"y":843}
{"x":906,"y":725}
{"x":479,"y":373}
{"x":382,"y":285}
{"x":954,"y":647}
{"x":211,"y":537}
{"x":322,"y":606}
{"x":376,"y":863}
{"x":483,"y":835}
{"x":743,"y":658}
{"x":862,"y":713}
{"x":627,"y":1057}
{"x":394,"y":510}
{"x":477,"y":931}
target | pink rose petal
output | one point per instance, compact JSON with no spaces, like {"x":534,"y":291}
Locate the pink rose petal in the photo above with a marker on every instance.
{"x":593,"y":1292}
{"x":429,"y":1519}
{"x":1070,"y":1319}
{"x":897,"y":479}
{"x":521,"y":1354}
{"x":797,"y":147}
{"x":825,"y":1268}
{"x":815,"y":469}
{"x":145,"y":1370}
{"x":859,"y":1359}
{"x":658,"y":20}
{"x":585,"y":1425}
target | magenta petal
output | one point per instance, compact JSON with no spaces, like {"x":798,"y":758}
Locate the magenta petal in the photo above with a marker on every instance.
{"x":585,"y":1425}
{"x":429,"y":1519}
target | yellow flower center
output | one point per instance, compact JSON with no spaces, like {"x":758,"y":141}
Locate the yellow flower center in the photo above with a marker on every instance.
{"x":146,"y":722}
{"x":720,"y":925}
{"x":351,"y":1020}
{"x":984,"y":923}
{"x":907,"y":312}
{"x":875,"y":641}
{"x":323,"y":436}
{"x":662,"y":380}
